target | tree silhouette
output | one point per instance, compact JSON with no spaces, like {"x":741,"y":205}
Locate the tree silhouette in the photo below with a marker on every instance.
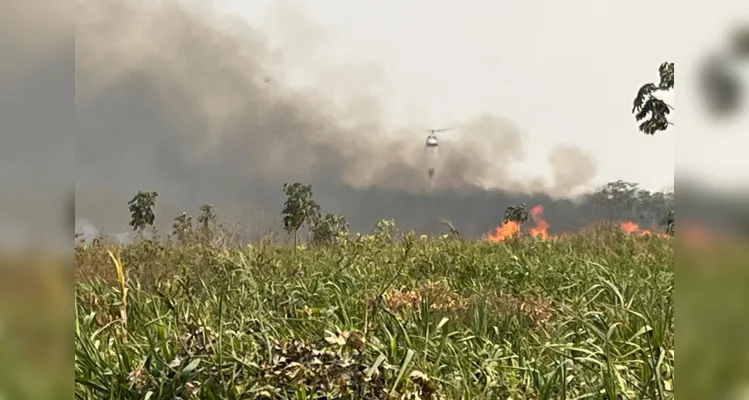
{"x":518,"y":214}
{"x":326,"y":229}
{"x":141,"y":210}
{"x":182,"y":226}
{"x":650,"y":111}
{"x":620,"y":199}
{"x":206,"y":217}
{"x":299,"y":208}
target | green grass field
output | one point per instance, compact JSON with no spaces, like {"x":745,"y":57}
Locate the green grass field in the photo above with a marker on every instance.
{"x":589,"y":315}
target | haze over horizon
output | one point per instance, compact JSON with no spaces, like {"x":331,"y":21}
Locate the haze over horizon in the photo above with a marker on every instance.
{"x":563,"y":74}
{"x":223,"y":102}
{"x":223,"y":109}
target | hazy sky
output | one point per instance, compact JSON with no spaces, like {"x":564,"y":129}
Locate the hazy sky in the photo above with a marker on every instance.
{"x":564,"y":72}
{"x":338,"y":94}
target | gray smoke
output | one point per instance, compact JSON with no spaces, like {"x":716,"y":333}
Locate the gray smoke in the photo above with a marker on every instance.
{"x":173,"y":99}
{"x":37,"y":85}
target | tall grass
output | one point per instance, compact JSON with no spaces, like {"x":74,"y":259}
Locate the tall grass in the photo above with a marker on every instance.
{"x":589,"y":315}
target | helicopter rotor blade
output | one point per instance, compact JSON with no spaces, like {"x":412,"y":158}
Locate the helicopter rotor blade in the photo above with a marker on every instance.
{"x":439,"y":130}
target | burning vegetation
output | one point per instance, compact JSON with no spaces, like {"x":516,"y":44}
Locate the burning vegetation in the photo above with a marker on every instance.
{"x":515,"y":217}
{"x":330,"y":314}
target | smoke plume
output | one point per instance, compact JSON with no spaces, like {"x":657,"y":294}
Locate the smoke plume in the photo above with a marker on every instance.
{"x":36,"y":122}
{"x":171,"y":98}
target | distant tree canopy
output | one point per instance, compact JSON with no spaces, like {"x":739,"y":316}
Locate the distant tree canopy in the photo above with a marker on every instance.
{"x":626,"y":201}
{"x":615,"y":202}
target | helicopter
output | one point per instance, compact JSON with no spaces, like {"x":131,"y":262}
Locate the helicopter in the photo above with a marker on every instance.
{"x":432,"y":148}
{"x":432,"y":140}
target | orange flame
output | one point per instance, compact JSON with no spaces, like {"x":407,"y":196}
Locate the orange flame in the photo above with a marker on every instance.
{"x":629,"y":227}
{"x":540,"y":230}
{"x":633,"y":228}
{"x":511,"y":228}
{"x":507,"y":230}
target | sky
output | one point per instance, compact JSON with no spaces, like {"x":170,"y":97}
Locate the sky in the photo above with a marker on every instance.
{"x":564,"y":72}
{"x":222,"y":102}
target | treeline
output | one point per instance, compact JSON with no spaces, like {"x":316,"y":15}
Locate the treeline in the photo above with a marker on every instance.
{"x":620,"y":200}
{"x":304,"y":220}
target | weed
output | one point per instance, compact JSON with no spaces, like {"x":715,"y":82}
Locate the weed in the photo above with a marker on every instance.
{"x":386,"y":316}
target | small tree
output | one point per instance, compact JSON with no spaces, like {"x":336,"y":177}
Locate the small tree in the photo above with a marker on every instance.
{"x":652,"y":111}
{"x":327,"y":228}
{"x":141,"y":210}
{"x":182,"y":226}
{"x":517,"y":214}
{"x":299,"y":208}
{"x":206,"y":217}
